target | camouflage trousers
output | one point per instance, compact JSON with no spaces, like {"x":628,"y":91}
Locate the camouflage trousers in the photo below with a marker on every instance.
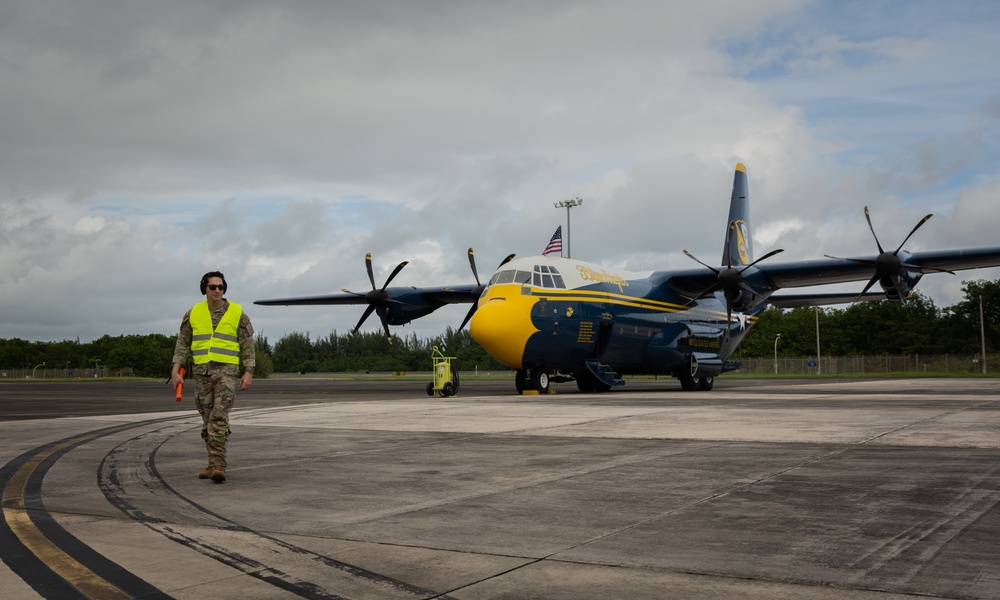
{"x":214,"y":396}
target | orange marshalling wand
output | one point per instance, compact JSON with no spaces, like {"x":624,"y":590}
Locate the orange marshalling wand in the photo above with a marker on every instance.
{"x":179,"y":388}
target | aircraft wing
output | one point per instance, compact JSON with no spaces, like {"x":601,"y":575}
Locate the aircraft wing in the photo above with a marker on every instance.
{"x":902,"y":270}
{"x":394,"y":305}
{"x":841,"y":270}
{"x":436,"y":296}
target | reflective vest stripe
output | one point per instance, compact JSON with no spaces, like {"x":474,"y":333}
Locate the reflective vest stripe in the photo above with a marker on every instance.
{"x":235,"y":353}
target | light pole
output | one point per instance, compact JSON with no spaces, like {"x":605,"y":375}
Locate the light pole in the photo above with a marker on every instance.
{"x":776,"y":353}
{"x":568,"y":204}
{"x":982,"y":333}
{"x":36,"y":368}
{"x":97,"y":369}
{"x":819,"y":360}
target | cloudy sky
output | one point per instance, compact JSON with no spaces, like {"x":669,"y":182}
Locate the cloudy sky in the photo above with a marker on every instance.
{"x":144,"y":143}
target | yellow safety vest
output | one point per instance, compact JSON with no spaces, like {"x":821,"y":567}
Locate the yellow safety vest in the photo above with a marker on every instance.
{"x":219,"y":345}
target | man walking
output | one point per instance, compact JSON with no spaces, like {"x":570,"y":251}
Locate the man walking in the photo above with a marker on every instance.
{"x":216,"y":334}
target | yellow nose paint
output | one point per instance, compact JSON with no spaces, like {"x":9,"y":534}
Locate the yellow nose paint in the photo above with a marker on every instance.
{"x":502,"y":323}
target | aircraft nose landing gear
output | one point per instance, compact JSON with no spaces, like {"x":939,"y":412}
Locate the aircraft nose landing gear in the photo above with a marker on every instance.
{"x":534,"y":380}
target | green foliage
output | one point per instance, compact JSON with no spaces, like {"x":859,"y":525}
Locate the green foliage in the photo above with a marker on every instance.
{"x":147,"y":355}
{"x":915,"y":326}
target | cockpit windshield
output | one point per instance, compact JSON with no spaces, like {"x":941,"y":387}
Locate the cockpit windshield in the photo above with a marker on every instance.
{"x":543,"y":276}
{"x":511,"y":276}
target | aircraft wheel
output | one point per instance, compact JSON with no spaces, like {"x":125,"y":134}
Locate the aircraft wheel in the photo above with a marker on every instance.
{"x":589,"y":384}
{"x":430,"y":388}
{"x":448,"y":389}
{"x":688,"y":383}
{"x":540,"y":380}
{"x":705,"y":383}
{"x":520,"y":380}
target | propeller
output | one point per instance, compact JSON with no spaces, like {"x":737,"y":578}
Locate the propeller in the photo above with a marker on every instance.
{"x":730,"y":280}
{"x":478,"y":290}
{"x":889,"y":264}
{"x":378,"y":299}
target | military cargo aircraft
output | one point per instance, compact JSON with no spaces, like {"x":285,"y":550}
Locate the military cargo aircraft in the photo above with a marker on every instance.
{"x":555,"y":319}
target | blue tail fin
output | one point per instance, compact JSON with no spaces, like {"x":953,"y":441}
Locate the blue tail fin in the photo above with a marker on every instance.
{"x":739,"y":245}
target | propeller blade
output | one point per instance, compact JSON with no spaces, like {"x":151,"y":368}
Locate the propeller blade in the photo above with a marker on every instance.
{"x":472,"y":263}
{"x":395,"y":272}
{"x":692,"y":257}
{"x":385,"y":325}
{"x":867,"y":287}
{"x":368,"y":265}
{"x":869,"y":217}
{"x":766,"y":256}
{"x":364,"y":317}
{"x":912,"y":231}
{"x":468,"y":315}
{"x":479,"y":286}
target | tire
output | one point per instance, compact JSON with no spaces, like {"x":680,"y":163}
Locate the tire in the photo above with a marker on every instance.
{"x":520,"y":381}
{"x":430,"y":388}
{"x":540,"y":380}
{"x":688,"y":383}
{"x":589,"y":384}
{"x":705,"y":383}
{"x":448,"y":389}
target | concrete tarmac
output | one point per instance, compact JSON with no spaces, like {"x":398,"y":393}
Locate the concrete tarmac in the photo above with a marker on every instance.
{"x":874,"y":489}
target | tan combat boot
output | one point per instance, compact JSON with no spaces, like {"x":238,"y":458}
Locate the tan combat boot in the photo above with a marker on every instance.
{"x":219,"y":474}
{"x":207,"y":473}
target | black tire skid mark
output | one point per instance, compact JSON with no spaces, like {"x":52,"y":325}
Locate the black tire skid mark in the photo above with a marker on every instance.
{"x":31,"y":568}
{"x":132,"y":463}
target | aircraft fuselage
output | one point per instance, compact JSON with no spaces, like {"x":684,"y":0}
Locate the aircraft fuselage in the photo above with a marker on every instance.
{"x":560,"y":314}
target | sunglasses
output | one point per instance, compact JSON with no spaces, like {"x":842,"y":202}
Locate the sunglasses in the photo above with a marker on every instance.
{"x":216,"y":287}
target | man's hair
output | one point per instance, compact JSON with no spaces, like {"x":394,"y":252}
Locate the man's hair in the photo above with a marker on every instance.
{"x":209,"y":275}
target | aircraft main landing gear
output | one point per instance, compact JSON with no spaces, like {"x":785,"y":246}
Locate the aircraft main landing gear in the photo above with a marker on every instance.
{"x":692,"y":383}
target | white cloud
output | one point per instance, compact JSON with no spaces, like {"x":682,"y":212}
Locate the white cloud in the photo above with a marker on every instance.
{"x":146,"y":143}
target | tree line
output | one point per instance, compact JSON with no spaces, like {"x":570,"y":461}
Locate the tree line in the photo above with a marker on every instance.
{"x":151,"y":355}
{"x":916,"y":326}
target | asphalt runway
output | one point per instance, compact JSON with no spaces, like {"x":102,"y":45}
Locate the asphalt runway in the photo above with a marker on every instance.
{"x":810,"y":489}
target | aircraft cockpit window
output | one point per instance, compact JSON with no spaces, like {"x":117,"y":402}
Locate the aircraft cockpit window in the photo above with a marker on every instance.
{"x":511,"y":277}
{"x":546,"y":276}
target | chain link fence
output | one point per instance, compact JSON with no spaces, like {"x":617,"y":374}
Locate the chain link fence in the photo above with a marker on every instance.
{"x":957,"y":364}
{"x":90,"y":373}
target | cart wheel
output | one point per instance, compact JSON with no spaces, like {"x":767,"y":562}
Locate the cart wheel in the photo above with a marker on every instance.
{"x":430,"y":388}
{"x":448,"y":389}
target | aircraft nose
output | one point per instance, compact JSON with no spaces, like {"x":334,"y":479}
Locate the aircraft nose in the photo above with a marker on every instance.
{"x":502,"y":324}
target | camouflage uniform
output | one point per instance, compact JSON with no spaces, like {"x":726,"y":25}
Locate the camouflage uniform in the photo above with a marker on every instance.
{"x":215,"y":383}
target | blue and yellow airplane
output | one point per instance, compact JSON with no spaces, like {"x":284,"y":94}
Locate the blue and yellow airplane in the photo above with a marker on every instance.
{"x":555,"y":319}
